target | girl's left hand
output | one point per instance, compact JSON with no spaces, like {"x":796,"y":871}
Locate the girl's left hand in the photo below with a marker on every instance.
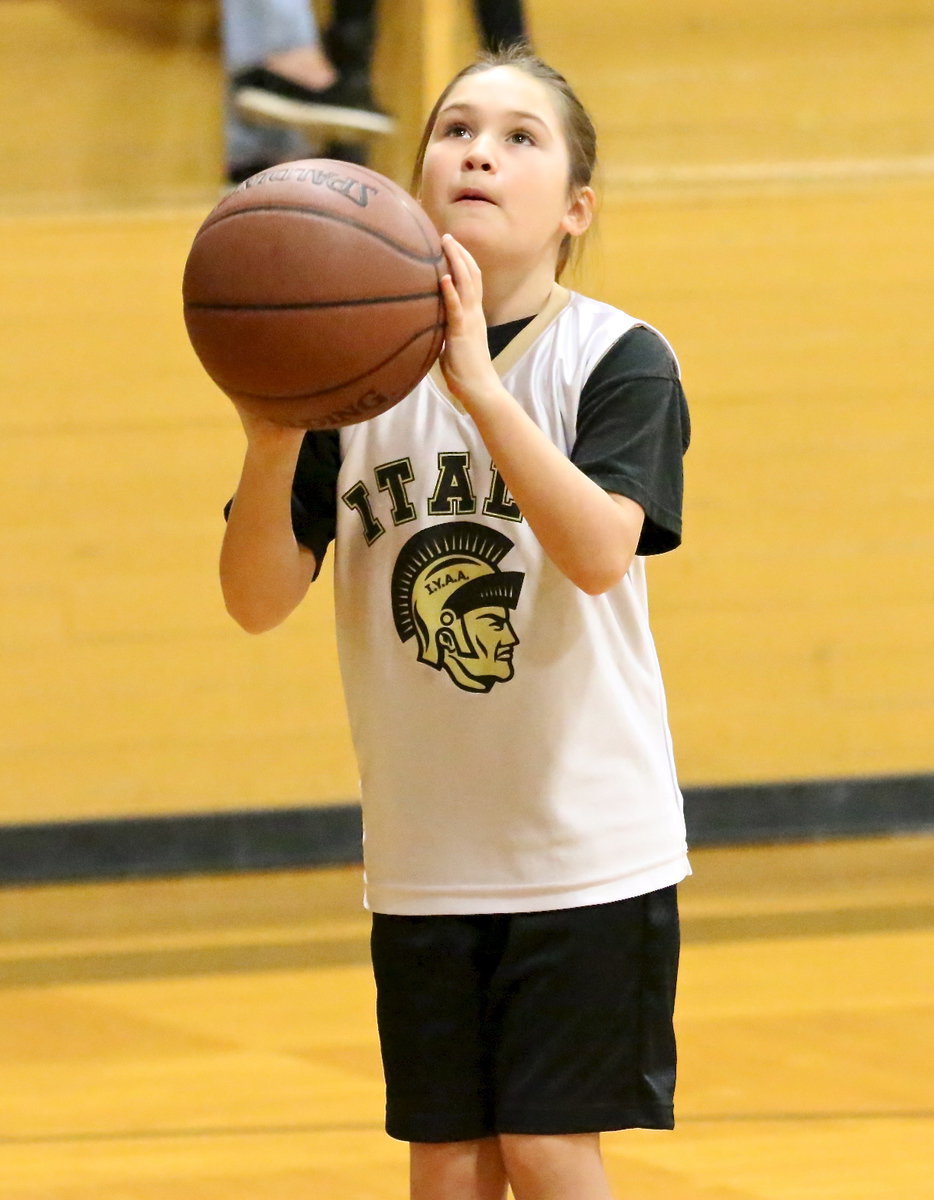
{"x":465,"y":359}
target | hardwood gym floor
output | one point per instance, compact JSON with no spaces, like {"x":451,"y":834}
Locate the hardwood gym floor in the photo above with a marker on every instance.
{"x":213,"y":1038}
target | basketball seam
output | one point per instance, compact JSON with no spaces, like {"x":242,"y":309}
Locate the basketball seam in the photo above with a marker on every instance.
{"x":335,"y":387}
{"x":440,"y":263}
{"x":434,"y":259}
{"x":305,"y":305}
{"x":416,"y":213}
{"x":432,"y":354}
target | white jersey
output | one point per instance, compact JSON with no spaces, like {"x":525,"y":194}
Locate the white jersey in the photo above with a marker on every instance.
{"x":511,"y":730}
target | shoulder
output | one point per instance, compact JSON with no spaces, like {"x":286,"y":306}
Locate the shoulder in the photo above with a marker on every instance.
{"x":587,"y":312}
{"x":641,"y":352}
{"x":628,"y":346}
{"x":636,"y":384}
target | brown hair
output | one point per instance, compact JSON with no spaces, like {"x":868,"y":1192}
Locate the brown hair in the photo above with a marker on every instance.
{"x":579,"y":132}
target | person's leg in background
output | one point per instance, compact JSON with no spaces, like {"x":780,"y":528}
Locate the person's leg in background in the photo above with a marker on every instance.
{"x":282,"y":85}
{"x":351,"y":34}
{"x":501,"y":22}
{"x":250,"y":34}
{"x":351,"y":37}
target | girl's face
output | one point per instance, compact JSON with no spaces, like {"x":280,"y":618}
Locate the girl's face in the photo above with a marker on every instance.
{"x":496,"y":171}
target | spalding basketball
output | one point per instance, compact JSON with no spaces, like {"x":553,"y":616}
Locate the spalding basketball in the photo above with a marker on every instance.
{"x":312,"y":294}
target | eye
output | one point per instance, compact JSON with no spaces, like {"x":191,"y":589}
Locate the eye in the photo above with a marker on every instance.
{"x":455,"y":129}
{"x":522,"y":137}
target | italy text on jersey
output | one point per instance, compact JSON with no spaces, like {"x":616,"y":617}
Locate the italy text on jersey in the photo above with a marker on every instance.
{"x":448,"y":592}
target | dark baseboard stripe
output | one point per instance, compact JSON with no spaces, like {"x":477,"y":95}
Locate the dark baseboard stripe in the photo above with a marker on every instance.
{"x":809,"y":810}
{"x":280,"y":839}
{"x":138,"y":847}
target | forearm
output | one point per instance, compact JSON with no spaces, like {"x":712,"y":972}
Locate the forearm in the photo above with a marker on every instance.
{"x":264,"y":571}
{"x":588,"y":534}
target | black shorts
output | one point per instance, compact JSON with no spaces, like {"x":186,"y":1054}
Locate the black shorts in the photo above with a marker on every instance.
{"x":541,"y":1023}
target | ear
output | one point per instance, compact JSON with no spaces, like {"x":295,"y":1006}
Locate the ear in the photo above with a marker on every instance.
{"x":580,"y":212}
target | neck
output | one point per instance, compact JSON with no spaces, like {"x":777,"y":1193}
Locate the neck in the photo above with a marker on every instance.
{"x":507,"y":297}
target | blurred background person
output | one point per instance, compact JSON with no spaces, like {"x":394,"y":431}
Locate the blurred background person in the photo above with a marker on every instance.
{"x":295,"y":91}
{"x":283,"y":88}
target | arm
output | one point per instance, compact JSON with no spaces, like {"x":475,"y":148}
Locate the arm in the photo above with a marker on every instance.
{"x":589,"y":534}
{"x":264,"y":571}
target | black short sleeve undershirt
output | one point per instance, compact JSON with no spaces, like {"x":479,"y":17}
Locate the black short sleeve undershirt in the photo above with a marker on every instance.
{"x":633,"y":428}
{"x":314,"y":491}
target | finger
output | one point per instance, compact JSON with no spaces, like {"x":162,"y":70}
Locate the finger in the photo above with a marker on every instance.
{"x":470,"y":261}
{"x":459,"y":249}
{"x":457,"y":255}
{"x":466,"y":278}
{"x":469,"y":277}
{"x":452,"y":301}
{"x":454,"y":252}
{"x":451,"y":248}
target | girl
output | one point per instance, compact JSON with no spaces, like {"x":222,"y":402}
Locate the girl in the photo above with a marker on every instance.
{"x":524,"y":830}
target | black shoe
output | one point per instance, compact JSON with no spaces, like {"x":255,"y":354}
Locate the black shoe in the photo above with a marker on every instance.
{"x":270,"y":99}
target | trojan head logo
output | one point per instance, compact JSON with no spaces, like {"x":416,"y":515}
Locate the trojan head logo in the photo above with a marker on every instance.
{"x":450,"y":595}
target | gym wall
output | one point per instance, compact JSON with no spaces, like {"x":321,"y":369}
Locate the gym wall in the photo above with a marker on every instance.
{"x":767,"y":187}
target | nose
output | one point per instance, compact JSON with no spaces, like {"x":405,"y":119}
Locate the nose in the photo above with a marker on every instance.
{"x":478,"y":156}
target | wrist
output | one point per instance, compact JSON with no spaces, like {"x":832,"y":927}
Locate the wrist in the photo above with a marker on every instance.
{"x":269,"y":440}
{"x":486,"y":401}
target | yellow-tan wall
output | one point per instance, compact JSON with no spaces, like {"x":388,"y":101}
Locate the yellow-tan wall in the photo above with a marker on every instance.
{"x":768,"y":185}
{"x":108,"y":102}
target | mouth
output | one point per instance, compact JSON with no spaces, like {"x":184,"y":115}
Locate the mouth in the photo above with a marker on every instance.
{"x":472,"y":196}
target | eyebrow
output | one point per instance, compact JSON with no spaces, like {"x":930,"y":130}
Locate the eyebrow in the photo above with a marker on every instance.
{"x":470,"y":108}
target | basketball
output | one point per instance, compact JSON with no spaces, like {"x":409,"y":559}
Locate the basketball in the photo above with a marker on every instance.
{"x":312,"y":294}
